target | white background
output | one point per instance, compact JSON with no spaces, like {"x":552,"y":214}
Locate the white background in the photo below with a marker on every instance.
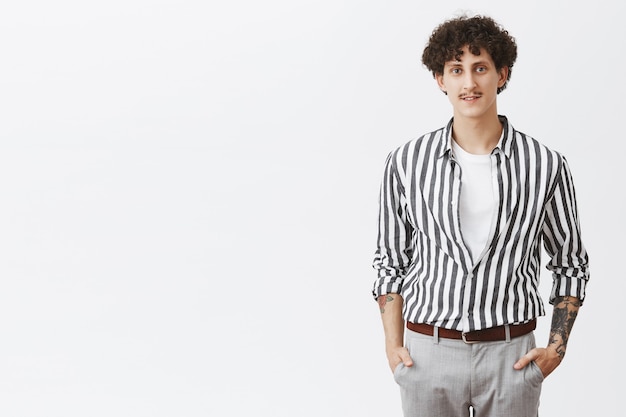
{"x":188,"y":197}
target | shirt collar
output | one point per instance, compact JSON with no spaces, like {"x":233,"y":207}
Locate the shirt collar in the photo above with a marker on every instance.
{"x":505,"y":144}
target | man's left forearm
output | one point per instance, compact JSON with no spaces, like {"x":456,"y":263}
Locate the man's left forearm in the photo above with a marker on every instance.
{"x":563,"y":317}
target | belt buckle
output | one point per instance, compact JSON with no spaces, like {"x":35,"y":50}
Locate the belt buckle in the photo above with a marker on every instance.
{"x":467,"y":342}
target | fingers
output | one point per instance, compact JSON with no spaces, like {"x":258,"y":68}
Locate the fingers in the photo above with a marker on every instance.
{"x":406,"y":358}
{"x":399,"y":355}
{"x":526,"y":359}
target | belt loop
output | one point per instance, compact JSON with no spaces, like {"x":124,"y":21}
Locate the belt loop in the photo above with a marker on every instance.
{"x":436,"y":335}
{"x":507,"y":332}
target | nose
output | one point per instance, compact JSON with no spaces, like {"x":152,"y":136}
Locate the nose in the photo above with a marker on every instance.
{"x":469,"y":82}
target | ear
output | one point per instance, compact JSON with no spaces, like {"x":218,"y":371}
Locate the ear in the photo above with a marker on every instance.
{"x":504,"y":74}
{"x":440,"y":83}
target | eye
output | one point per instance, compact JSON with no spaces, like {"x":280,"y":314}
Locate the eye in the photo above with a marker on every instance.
{"x":481,"y":69}
{"x":455,"y":70}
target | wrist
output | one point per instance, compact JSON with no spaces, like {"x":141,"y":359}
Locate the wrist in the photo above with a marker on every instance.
{"x":556,"y":350}
{"x":393,"y":344}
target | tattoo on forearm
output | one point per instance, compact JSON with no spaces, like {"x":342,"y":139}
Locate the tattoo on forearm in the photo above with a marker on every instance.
{"x":563,"y":317}
{"x":382,"y":302}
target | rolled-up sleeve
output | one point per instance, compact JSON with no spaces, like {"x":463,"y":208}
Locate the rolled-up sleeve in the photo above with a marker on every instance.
{"x":569,"y":261}
{"x":394,"y":250}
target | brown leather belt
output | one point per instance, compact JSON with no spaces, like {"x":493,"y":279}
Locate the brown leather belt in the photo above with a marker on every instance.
{"x":486,"y":335}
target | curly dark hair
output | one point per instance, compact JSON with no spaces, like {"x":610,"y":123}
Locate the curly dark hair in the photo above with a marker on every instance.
{"x":477,"y":32}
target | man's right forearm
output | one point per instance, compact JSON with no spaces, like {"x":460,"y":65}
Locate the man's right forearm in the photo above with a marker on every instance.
{"x":391,"y":312}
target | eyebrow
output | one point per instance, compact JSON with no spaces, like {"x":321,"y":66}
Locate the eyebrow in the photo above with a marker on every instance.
{"x":455,"y":63}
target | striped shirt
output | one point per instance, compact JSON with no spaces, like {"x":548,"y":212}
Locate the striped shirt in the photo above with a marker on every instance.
{"x":421,"y":254}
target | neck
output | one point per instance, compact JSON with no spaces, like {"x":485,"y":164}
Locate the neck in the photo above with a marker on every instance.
{"x":478,"y":137}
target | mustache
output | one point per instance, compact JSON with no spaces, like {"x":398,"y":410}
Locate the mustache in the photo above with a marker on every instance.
{"x":473,"y":94}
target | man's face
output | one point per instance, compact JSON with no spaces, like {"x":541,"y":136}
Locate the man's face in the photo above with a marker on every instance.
{"x":472,"y":83}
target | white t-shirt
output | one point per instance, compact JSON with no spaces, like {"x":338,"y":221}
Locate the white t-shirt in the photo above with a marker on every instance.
{"x":477,"y":204}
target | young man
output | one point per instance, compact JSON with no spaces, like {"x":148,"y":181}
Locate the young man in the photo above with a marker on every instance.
{"x":464,"y":212}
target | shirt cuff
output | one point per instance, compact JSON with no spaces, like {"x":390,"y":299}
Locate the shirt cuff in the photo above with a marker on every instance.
{"x":383,"y":287}
{"x":568,"y":287}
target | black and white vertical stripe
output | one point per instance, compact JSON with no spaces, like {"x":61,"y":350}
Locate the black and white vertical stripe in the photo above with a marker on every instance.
{"x":421,"y":254}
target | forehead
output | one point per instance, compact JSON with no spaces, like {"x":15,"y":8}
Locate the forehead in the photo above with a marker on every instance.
{"x":467,"y":57}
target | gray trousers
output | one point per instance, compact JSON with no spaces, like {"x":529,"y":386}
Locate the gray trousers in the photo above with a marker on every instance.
{"x":449,"y":378}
